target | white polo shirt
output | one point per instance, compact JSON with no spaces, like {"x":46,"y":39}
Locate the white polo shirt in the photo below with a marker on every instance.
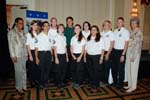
{"x":44,"y":42}
{"x":108,"y":37}
{"x":77,"y":46}
{"x":31,"y":41}
{"x":60,"y":44}
{"x":86,"y":34}
{"x":121,"y":36}
{"x":94,"y":48}
{"x":52,"y":32}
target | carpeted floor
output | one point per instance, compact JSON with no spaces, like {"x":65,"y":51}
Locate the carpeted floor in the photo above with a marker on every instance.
{"x":7,"y":92}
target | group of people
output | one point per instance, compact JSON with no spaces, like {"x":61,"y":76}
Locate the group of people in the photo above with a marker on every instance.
{"x":71,"y":52}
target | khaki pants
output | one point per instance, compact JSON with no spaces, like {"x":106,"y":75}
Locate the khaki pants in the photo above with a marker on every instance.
{"x":132,"y":68}
{"x":20,"y":73}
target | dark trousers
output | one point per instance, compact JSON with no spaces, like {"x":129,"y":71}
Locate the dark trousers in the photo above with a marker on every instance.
{"x":118,"y":68}
{"x":60,"y":69}
{"x":94,"y":69}
{"x":32,"y":69}
{"x":107,"y":64}
{"x":77,"y":69}
{"x":68,"y":72}
{"x":45,"y":66}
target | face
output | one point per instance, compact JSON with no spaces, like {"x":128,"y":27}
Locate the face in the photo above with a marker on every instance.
{"x":20,"y":24}
{"x":46,"y":27}
{"x":77,"y":29}
{"x":120,"y":23}
{"x":107,"y":26}
{"x":86,"y":26}
{"x":134,"y":25}
{"x":61,"y":29}
{"x":94,"y":31}
{"x":69,"y":22}
{"x":34,"y":27}
{"x":54,"y":22}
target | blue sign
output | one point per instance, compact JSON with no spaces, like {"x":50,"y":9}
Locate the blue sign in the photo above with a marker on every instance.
{"x":36,"y":14}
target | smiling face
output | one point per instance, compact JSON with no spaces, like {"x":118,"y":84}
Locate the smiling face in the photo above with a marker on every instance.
{"x":120,"y":23}
{"x":94,"y":31}
{"x":106,"y":26}
{"x":54,"y":22}
{"x":34,"y":27}
{"x":60,"y":29}
{"x":77,"y":30}
{"x":45,"y":27}
{"x":19,"y":24}
{"x":86,"y":26}
{"x":70,"y":22}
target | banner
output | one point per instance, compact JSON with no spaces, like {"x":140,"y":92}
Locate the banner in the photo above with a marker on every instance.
{"x":34,"y":15}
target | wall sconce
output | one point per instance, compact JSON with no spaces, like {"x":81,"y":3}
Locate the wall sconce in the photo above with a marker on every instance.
{"x":134,"y":11}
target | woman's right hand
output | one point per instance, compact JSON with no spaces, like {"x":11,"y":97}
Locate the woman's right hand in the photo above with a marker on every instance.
{"x":30,"y":58}
{"x":37,"y":61}
{"x":74,"y":57}
{"x":56,"y":61}
{"x":14,"y":59}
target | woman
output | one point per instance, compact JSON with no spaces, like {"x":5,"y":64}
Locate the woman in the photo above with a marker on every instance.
{"x":133,"y":54}
{"x":108,"y":38}
{"x":86,"y":29}
{"x":43,"y":54}
{"x":18,"y":54}
{"x":94,"y":56}
{"x":77,"y":50}
{"x":61,"y":57}
{"x":30,"y":43}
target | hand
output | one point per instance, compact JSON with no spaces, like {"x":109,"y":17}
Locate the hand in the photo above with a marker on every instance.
{"x":106,"y":57}
{"x":132,"y":59}
{"x":74,"y":57}
{"x":122,"y":59}
{"x":67,"y":59}
{"x":56,"y":61}
{"x":100,"y":61}
{"x":52,"y":59}
{"x":14,"y":59}
{"x":30,"y":58}
{"x":78,"y":59}
{"x":37,"y":61}
{"x":85,"y":59}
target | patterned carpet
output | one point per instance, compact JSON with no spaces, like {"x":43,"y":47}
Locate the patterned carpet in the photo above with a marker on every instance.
{"x":7,"y":92}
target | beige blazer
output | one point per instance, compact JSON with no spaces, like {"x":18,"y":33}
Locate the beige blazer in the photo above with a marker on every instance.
{"x":135,"y":43}
{"x":16,"y":42}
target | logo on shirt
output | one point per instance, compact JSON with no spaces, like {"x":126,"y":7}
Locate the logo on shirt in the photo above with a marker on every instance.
{"x":120,"y":35}
{"x":36,"y":40}
{"x":107,"y":36}
{"x":50,"y":40}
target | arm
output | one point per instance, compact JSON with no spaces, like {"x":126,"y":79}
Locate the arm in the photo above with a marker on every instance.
{"x":29,"y":53}
{"x":102,"y":56}
{"x":109,"y":50}
{"x":55,"y":55}
{"x":82,"y":53}
{"x":67,"y":59}
{"x":36,"y":56}
{"x":73,"y":56}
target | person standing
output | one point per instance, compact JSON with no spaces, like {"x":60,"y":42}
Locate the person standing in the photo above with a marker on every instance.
{"x":43,"y":54}
{"x":61,"y":57}
{"x":108,"y":37}
{"x":86,"y":29}
{"x":18,"y":54}
{"x":134,"y":54}
{"x":94,"y":56}
{"x":77,"y":50}
{"x":121,"y":35}
{"x":69,"y":33}
{"x":30,"y":43}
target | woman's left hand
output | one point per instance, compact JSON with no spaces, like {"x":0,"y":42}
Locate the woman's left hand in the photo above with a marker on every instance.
{"x":101,"y":61}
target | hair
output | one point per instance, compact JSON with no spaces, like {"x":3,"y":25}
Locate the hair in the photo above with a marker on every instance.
{"x":120,"y":18}
{"x":97,"y":34}
{"x":86,"y":22}
{"x":53,"y":18}
{"x":31,"y":30}
{"x":60,"y":26}
{"x":136,"y":20}
{"x":16,"y":21}
{"x":45,"y":22}
{"x":106,"y":21}
{"x":69,"y":18}
{"x":80,"y":34}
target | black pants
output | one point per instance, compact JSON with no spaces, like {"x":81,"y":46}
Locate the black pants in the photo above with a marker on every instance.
{"x":45,"y":66}
{"x":107,"y":64}
{"x":68,"y":72}
{"x":94,"y":69}
{"x":77,"y":70}
{"x":118,"y":68}
{"x":60,"y":69}
{"x":32,"y":69}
